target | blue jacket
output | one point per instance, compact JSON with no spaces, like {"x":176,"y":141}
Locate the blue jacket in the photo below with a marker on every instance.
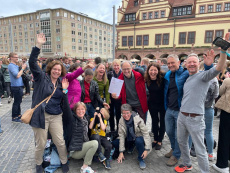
{"x":180,"y":78}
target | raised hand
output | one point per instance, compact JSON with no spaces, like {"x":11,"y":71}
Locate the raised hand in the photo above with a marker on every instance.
{"x":88,"y":66}
{"x":41,"y":39}
{"x":65,"y":83}
{"x":209,"y":59}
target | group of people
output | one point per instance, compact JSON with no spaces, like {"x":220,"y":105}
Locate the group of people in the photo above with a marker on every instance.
{"x":79,"y":109}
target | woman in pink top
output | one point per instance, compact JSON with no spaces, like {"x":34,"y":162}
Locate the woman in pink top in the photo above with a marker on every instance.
{"x":74,"y":89}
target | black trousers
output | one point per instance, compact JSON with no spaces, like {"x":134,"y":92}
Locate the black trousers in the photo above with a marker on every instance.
{"x":27,"y":86}
{"x":115,"y":108}
{"x":223,"y":151}
{"x":157,"y":129}
{"x":8,"y":89}
{"x":102,"y":141}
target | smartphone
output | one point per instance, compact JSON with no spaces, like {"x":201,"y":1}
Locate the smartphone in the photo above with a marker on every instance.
{"x":220,"y":42}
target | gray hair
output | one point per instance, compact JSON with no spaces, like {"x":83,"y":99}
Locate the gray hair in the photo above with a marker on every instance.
{"x":88,"y":72}
{"x":127,"y":62}
{"x":193,"y":54}
{"x":126,"y":107}
{"x":173,"y":56}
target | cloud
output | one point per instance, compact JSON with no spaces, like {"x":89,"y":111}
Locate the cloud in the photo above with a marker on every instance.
{"x":97,"y":9}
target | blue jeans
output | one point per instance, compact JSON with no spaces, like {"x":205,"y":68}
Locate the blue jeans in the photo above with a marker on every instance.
{"x":209,"y":115}
{"x":139,"y":143}
{"x":90,"y":110}
{"x":17,"y":93}
{"x":171,"y":130}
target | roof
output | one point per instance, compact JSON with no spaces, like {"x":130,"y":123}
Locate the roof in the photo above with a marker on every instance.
{"x":178,"y":3}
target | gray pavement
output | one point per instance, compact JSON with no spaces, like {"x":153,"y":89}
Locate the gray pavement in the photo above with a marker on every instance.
{"x":17,"y":150}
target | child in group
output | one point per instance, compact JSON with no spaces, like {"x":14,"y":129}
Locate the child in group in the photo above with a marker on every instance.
{"x":98,"y":126}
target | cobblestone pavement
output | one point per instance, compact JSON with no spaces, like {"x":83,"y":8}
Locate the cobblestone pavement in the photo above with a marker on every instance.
{"x":17,"y":150}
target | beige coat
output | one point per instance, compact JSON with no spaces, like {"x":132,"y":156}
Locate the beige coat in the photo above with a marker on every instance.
{"x":224,"y":102}
{"x":140,"y":130}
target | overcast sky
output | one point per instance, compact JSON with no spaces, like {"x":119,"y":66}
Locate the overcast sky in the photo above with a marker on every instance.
{"x":98,"y":9}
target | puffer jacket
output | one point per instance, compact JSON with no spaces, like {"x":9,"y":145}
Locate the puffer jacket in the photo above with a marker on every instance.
{"x":93,"y":93}
{"x":224,"y":102}
{"x":140,"y":130}
{"x":74,"y":89}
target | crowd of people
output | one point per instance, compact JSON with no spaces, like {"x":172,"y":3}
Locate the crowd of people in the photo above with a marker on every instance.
{"x":181,"y":98}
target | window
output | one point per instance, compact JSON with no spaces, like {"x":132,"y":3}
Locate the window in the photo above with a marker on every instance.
{"x":158,"y":39}
{"x":73,"y":47}
{"x":150,"y":15}
{"x":91,"y":49}
{"x":65,"y":14}
{"x":181,"y":11}
{"x":130,"y":40}
{"x":57,"y":30}
{"x":165,"y":39}
{"x":85,"y":49}
{"x":57,"y":22}
{"x":156,"y":15}
{"x":37,"y":24}
{"x":58,"y":46}
{"x":79,"y":26}
{"x":218,"y":7}
{"x":162,"y":14}
{"x":182,"y":38}
{"x":191,"y":37}
{"x":85,"y":35}
{"x":79,"y":33}
{"x":210,"y":8}
{"x":73,"y":32}
{"x":73,"y":25}
{"x":145,"y":40}
{"x":85,"y":42}
{"x":124,"y":41}
{"x":144,"y":16}
{"x":130,"y":17}
{"x":73,"y":40}
{"x":72,"y":16}
{"x":139,"y":40}
{"x":20,"y":19}
{"x":208,"y":36}
{"x":219,"y":33}
{"x":227,"y":7}
{"x":79,"y":40}
{"x":79,"y":48}
{"x":150,"y":1}
{"x":57,"y":14}
{"x":135,"y":3}
{"x":31,"y":25}
{"x":79,"y":18}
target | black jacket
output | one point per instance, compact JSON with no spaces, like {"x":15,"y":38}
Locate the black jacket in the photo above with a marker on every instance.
{"x":73,"y":129}
{"x":43,"y":87}
{"x":93,"y":93}
{"x":1,"y":84}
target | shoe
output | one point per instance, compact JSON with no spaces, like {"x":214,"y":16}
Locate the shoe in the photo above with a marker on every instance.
{"x":193,"y":152}
{"x":1,"y":104}
{"x":101,"y":157}
{"x":211,"y":157}
{"x":87,"y":170}
{"x":65,"y":168}
{"x":154,"y":144}
{"x":182,"y":168}
{"x":16,"y":120}
{"x":221,"y":170}
{"x":39,"y":169}
{"x":169,"y":154}
{"x":172,"y":161}
{"x":158,"y":147}
{"x":19,"y":116}
{"x":131,"y":149}
{"x":9,"y":99}
{"x":106,"y":163}
{"x":142,"y":164}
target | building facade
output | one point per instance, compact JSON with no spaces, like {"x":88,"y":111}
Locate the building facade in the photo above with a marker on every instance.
{"x":67,"y":34}
{"x":157,"y":28}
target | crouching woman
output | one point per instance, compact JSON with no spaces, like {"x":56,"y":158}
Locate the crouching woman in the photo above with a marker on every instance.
{"x":132,"y":132}
{"x":76,"y":125}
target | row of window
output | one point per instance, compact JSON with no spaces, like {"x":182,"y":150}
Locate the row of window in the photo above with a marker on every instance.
{"x":163,"y":39}
{"x":182,"y":11}
{"x":210,"y":8}
{"x":156,"y":15}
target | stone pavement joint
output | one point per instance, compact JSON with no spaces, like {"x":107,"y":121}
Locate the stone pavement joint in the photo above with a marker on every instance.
{"x":17,"y":150}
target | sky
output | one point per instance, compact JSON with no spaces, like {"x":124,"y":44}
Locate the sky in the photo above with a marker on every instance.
{"x":97,"y":9}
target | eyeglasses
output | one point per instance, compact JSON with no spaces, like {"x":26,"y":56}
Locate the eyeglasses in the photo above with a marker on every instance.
{"x":126,"y":69}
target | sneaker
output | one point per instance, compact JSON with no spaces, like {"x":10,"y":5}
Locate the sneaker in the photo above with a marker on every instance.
{"x":101,"y":157}
{"x":16,"y":120}
{"x":182,"y":168}
{"x":39,"y":169}
{"x":9,"y":99}
{"x":154,"y":144}
{"x":169,"y":154}
{"x":221,"y":170}
{"x":106,"y":163}
{"x":172,"y":161}
{"x":142,"y":164}
{"x":65,"y":168}
{"x":158,"y":147}
{"x":87,"y":170}
{"x":211,"y":157}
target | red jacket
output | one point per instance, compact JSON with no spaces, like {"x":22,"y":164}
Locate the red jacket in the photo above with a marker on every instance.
{"x":140,"y":88}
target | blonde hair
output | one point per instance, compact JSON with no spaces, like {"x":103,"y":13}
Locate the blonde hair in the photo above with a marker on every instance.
{"x":79,"y":104}
{"x":105,"y":113}
{"x":116,"y":61}
{"x":5,"y":61}
{"x":104,"y":75}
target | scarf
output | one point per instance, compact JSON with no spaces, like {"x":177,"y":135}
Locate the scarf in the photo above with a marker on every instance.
{"x":130,"y":129}
{"x":85,"y":129}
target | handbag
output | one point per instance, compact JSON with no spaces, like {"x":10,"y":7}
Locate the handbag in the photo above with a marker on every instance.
{"x":26,"y":117}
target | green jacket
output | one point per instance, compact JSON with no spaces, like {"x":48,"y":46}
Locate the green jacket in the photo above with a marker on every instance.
{"x":5,"y":73}
{"x":140,"y":130}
